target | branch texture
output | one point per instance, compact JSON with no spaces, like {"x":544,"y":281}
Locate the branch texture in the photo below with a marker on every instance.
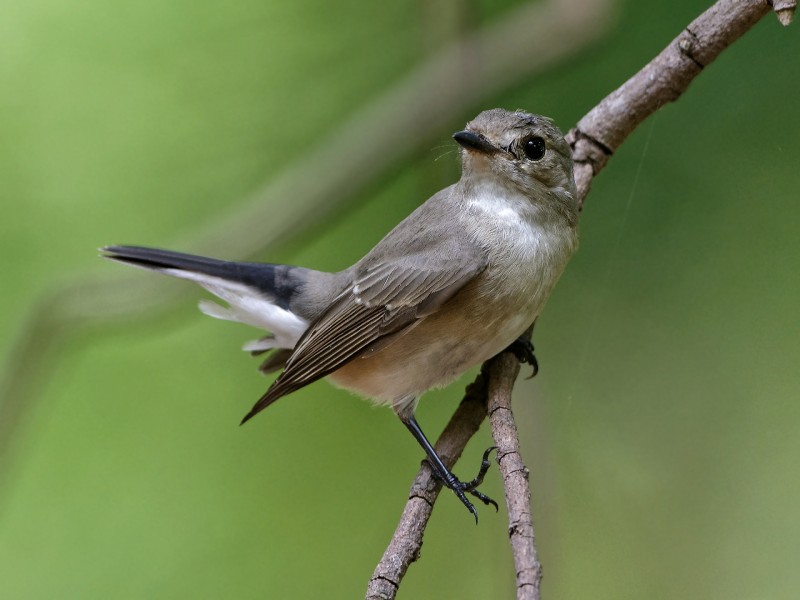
{"x":502,"y":372}
{"x":598,"y":134}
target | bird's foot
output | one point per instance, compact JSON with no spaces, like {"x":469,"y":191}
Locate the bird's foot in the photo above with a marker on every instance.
{"x":462,"y":488}
{"x":522,"y":348}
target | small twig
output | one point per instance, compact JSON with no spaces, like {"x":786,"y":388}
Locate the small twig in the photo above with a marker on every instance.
{"x":593,"y":141}
{"x":785,"y":10}
{"x":664,"y":79}
{"x":503,"y":372}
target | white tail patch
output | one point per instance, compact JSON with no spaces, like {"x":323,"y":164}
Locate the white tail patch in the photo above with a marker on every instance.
{"x":249,"y":306}
{"x":263,"y":344}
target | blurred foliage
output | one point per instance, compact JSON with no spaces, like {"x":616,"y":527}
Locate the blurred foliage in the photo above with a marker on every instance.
{"x":661,"y":432}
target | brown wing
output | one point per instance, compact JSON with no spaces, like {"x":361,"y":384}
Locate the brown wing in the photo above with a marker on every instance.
{"x":386,"y":299}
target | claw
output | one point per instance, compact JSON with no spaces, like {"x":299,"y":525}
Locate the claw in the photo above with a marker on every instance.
{"x":443,"y":474}
{"x":522,"y":348}
{"x":470,"y":487}
{"x":467,"y":503}
{"x":460,"y":487}
{"x":485,"y":464}
{"x":485,"y":499}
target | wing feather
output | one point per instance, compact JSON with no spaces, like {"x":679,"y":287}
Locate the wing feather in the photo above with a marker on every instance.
{"x":395,"y":286}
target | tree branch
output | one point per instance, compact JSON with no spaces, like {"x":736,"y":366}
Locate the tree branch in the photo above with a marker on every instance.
{"x":502,"y":374}
{"x":598,"y":134}
{"x":593,"y":141}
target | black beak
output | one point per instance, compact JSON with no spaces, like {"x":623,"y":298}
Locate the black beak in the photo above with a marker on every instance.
{"x":474,"y":141}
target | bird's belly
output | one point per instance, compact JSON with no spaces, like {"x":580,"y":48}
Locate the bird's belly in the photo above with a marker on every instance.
{"x":480,"y":321}
{"x":462,"y":334}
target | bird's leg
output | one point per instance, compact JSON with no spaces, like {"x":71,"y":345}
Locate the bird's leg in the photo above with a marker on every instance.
{"x":522,"y":348}
{"x":446,"y":476}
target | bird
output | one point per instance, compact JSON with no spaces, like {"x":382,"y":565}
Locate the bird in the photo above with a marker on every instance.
{"x":453,"y":284}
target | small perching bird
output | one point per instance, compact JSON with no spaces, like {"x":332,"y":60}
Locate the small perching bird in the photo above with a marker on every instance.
{"x":452,"y":285}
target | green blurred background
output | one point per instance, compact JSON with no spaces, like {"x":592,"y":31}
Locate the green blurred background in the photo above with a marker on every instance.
{"x":662,"y":432}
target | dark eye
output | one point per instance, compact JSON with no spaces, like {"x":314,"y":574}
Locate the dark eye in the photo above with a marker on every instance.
{"x":534,"y":148}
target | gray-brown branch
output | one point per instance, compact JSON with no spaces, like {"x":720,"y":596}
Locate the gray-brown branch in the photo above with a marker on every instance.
{"x":598,"y":134}
{"x":593,"y":141}
{"x":502,"y":373}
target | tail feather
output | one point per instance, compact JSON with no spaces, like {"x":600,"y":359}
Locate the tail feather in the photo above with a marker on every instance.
{"x":259,"y":294}
{"x":271,"y":280}
{"x":156,"y":258}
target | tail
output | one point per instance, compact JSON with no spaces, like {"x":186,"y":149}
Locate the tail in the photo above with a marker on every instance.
{"x":258,"y":294}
